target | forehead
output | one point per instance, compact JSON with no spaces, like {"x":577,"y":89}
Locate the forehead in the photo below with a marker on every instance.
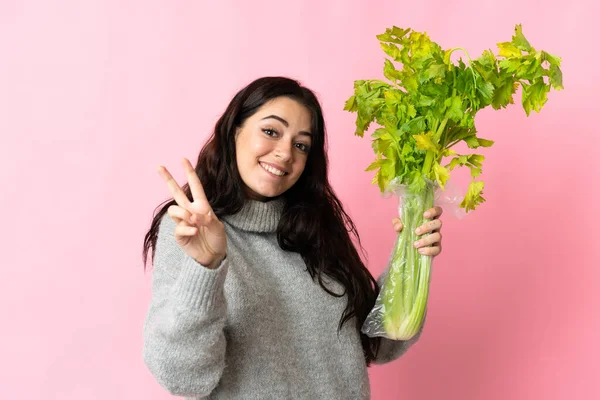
{"x":291,"y":110}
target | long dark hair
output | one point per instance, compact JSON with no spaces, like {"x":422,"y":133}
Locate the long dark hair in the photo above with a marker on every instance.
{"x":313,"y":224}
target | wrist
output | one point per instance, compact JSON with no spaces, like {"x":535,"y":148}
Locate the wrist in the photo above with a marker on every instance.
{"x":215,"y":263}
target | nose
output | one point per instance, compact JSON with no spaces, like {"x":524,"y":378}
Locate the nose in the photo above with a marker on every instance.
{"x":283,"y":151}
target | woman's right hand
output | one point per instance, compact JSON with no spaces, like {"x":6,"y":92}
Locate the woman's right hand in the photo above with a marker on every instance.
{"x":199,"y":232}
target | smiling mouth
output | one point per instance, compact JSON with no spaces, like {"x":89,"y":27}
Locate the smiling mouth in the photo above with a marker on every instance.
{"x":273,"y":170}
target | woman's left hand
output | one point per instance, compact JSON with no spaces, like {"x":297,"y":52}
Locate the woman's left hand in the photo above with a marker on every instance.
{"x":430,"y":245}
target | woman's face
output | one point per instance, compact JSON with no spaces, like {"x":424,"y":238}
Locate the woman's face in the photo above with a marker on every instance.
{"x":272,"y":147}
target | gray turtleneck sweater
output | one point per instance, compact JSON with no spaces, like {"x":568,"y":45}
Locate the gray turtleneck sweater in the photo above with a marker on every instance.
{"x":257,"y":327}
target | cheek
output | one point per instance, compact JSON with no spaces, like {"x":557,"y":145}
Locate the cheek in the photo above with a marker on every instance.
{"x":248,"y":154}
{"x":299,"y":167}
{"x":260,"y":148}
{"x":247,"y":150}
{"x":254,"y":149}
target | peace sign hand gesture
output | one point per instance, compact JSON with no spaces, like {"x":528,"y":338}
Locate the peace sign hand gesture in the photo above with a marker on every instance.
{"x":199,"y":232}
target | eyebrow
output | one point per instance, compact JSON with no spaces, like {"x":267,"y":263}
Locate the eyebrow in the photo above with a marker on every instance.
{"x":284,"y":122}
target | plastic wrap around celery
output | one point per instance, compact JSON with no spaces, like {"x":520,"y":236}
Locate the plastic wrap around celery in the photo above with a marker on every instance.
{"x":404,"y":293}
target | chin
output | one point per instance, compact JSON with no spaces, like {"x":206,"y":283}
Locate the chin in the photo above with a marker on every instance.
{"x":271,"y":194}
{"x":265,"y":194}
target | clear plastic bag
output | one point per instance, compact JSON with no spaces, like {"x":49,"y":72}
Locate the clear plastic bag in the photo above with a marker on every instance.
{"x":401,"y":305}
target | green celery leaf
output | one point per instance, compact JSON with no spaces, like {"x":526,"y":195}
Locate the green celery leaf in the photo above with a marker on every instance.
{"x":411,"y":111}
{"x":485,"y":142}
{"x":433,"y":71}
{"x":390,"y":72}
{"x":508,"y":50}
{"x":486,"y":90}
{"x":441,"y":174}
{"x":425,"y":101}
{"x":503,"y":95}
{"x":350,"y":104}
{"x":456,"y":161}
{"x":393,"y":35}
{"x":374,"y":165}
{"x":519,"y":40}
{"x":448,"y":152}
{"x":425,"y":142}
{"x":399,"y":32}
{"x":455,"y":111}
{"x":391,"y":50}
{"x":474,"y":196}
{"x":474,"y":142}
{"x":534,"y":96}
{"x":386,"y":173}
{"x":511,"y":65}
{"x":556,"y":77}
{"x":414,"y":126}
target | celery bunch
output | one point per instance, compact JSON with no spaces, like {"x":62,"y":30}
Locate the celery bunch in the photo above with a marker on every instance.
{"x":427,"y":106}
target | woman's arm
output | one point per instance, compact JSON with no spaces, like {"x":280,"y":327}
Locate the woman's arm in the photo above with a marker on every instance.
{"x":391,"y":350}
{"x":184,"y":343}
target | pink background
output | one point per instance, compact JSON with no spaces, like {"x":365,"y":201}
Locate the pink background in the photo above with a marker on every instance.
{"x":95,"y":94}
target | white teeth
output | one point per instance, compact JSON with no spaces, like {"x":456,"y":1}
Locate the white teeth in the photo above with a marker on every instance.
{"x":273,"y":170}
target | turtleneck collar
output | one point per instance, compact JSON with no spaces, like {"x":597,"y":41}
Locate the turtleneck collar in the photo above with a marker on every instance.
{"x":258,"y":216}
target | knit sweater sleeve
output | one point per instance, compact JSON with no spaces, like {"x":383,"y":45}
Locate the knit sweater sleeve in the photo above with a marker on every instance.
{"x":184,"y":342}
{"x":391,"y":350}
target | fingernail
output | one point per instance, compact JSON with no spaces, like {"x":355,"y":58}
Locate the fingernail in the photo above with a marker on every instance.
{"x":418,"y":231}
{"x":421,"y":251}
{"x":417,"y":243}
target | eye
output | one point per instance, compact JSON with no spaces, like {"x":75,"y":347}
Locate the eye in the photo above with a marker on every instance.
{"x":270,"y":132}
{"x":303,"y":147}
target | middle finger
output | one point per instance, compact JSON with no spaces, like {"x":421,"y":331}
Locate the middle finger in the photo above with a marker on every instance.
{"x":431,"y":226}
{"x":194,"y":182}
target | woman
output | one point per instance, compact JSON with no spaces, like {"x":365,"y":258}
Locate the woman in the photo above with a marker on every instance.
{"x":258,"y":291}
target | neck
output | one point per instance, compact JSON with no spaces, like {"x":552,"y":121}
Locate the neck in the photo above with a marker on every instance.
{"x":258,"y":216}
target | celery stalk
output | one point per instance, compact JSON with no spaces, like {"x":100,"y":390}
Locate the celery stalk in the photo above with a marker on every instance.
{"x":406,"y":288}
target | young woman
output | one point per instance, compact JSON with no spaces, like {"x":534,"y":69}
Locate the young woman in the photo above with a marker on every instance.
{"x":258,"y":290}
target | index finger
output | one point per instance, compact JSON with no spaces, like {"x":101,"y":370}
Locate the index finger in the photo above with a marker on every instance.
{"x":174,"y":188}
{"x":434,"y":212}
{"x":194,"y":181}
